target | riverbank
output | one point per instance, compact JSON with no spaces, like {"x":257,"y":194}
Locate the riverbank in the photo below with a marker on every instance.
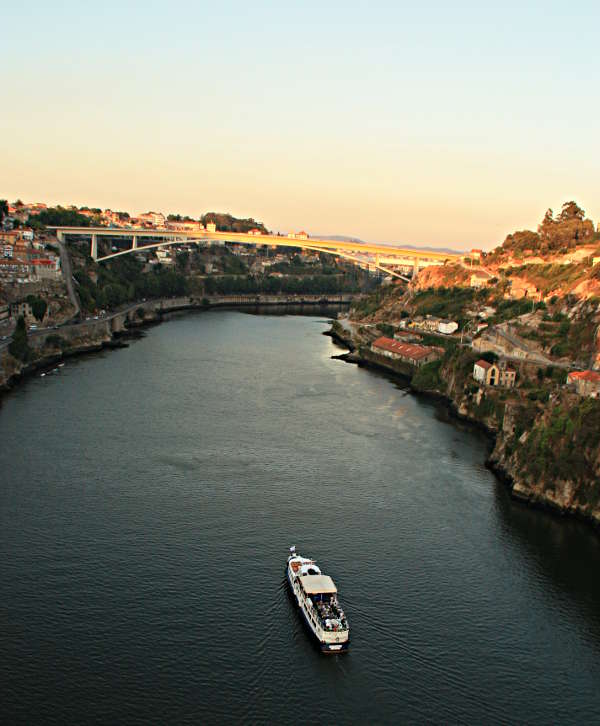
{"x":560,"y":496}
{"x":52,"y":346}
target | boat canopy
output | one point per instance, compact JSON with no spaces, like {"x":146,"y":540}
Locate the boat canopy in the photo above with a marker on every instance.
{"x":310,"y":569}
{"x":317,"y":584}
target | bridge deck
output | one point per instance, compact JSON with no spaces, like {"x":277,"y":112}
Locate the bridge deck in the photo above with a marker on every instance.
{"x":244,"y":238}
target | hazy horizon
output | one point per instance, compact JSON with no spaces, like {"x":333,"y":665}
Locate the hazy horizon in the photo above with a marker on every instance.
{"x":431,"y":126}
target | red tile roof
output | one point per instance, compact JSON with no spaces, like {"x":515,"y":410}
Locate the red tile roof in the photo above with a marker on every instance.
{"x":406,"y":350}
{"x":483,"y":364}
{"x":585,"y":376}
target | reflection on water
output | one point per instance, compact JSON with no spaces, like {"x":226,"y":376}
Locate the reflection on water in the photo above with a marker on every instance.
{"x":144,"y":540}
{"x":565,"y":552}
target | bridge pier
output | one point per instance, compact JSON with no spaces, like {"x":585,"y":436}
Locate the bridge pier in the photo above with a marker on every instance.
{"x":416,"y":267}
{"x":94,"y":250}
{"x":135,"y":242}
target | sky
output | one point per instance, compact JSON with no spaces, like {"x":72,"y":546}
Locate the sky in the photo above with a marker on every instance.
{"x":427,"y":123}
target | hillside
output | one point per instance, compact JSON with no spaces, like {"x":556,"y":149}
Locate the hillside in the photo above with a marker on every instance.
{"x":532,"y":304}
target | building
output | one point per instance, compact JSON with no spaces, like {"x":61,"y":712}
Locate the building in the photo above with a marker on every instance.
{"x":186,"y":226}
{"x":164,"y":256}
{"x":476,"y":254}
{"x":14,"y":270}
{"x":481,"y":278}
{"x":37,"y":208}
{"x":447,"y":327}
{"x":416,"y":355}
{"x":492,"y":374}
{"x":211,"y":227}
{"x":255,"y":232}
{"x":153,"y":219}
{"x":586,"y":383}
{"x":485,"y":372}
{"x":45,"y":268}
{"x":18,"y":309}
{"x":519,"y":289}
{"x":114,"y":219}
{"x":14,"y":236}
{"x":429,"y":323}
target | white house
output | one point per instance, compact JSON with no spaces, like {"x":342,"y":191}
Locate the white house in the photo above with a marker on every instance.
{"x":447,"y":327}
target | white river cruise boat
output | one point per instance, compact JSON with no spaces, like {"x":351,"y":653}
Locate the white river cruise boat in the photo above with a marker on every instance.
{"x":316,"y":595}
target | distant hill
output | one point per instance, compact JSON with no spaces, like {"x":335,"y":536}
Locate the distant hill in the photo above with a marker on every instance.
{"x":340,"y":238}
{"x":345,"y":238}
{"x":447,"y":250}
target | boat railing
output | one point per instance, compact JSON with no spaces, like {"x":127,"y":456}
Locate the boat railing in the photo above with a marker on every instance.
{"x":340,"y":626}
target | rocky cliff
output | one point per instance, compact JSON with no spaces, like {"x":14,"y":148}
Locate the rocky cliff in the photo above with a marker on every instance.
{"x":546,"y":445}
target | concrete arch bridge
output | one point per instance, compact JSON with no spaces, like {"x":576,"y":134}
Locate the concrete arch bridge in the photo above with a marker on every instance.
{"x":389,"y":259}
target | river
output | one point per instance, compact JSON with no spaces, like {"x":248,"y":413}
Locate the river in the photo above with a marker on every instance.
{"x":148,"y":499}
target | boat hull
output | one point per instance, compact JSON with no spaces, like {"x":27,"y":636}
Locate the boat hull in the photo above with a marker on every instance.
{"x":324,"y":647}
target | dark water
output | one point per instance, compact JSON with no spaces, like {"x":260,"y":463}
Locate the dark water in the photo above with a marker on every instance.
{"x":148,"y":499}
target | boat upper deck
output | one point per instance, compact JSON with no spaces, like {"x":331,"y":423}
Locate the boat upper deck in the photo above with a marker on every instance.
{"x":317,"y":584}
{"x":296,"y":564}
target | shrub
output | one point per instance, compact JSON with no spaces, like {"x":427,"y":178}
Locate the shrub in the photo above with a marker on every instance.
{"x":19,"y":347}
{"x":386,"y":329}
{"x":55,"y":341}
{"x":427,"y":377}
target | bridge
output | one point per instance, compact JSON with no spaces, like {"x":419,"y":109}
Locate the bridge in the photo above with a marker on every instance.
{"x":372,"y":256}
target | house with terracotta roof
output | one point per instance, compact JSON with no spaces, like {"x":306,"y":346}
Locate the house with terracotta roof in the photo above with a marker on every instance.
{"x":412,"y":353}
{"x":46,"y":268}
{"x":586,"y":383}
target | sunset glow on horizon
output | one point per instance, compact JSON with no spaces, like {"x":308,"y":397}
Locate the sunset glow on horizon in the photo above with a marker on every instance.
{"x":436,"y":125}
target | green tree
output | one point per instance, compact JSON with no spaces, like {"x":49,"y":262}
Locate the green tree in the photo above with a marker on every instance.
{"x":59,"y":216}
{"x":229,"y":223}
{"x":38,"y":306}
{"x":181,"y":260}
{"x":569,"y":211}
{"x":3,"y":209}
{"x":19,"y":347}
